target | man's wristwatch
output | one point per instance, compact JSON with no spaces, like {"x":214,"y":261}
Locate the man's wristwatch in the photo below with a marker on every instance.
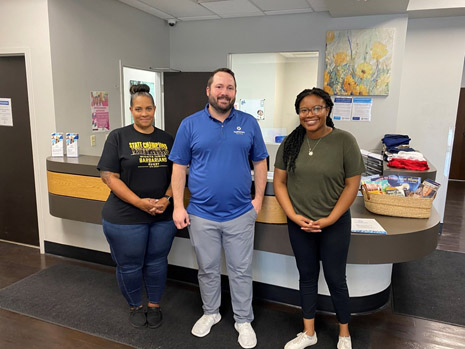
{"x":168,"y":197}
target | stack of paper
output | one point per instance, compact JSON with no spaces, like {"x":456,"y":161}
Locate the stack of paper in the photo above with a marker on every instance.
{"x":367,"y":226}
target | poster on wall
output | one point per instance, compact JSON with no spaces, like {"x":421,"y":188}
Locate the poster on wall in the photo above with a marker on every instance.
{"x":6,"y":116}
{"x":100,"y":111}
{"x":254,"y":107}
{"x":358,"y":62}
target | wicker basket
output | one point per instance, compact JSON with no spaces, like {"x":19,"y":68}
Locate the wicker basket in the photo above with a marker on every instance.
{"x":397,"y":206}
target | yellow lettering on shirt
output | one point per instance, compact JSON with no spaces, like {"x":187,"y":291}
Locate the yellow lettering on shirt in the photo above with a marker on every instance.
{"x":151,"y":154}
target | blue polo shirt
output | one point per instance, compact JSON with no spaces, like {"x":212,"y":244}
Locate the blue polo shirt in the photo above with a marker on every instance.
{"x":218,"y":157}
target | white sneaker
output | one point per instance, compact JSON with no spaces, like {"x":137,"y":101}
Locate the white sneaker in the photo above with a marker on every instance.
{"x":344,"y":343}
{"x":247,"y":337}
{"x":203,"y":325}
{"x":301,"y":341}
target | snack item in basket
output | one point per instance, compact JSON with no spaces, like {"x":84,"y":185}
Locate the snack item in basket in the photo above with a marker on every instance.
{"x":373,"y":188}
{"x":427,"y":189}
{"x":397,"y":191}
{"x":409,"y":183}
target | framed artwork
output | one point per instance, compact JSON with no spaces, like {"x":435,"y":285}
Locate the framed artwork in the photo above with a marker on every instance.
{"x":358,"y":62}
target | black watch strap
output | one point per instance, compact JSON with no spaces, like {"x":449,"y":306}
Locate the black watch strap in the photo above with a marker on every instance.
{"x":168,"y":197}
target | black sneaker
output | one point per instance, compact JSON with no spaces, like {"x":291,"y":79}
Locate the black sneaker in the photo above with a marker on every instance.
{"x":154,"y":317}
{"x":137,"y":317}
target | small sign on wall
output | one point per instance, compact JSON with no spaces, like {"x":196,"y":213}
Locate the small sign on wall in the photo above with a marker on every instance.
{"x":6,"y":116}
{"x":352,"y":108}
{"x":254,"y":107}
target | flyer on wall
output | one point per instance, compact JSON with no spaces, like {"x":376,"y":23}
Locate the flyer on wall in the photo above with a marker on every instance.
{"x":99,"y":110}
{"x":6,"y":116}
{"x":361,"y":109}
{"x":254,"y":107}
{"x":342,"y":109}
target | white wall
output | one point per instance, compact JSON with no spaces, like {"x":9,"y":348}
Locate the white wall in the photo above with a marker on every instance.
{"x":88,"y":39}
{"x":301,"y":74}
{"x":463,"y":74}
{"x":278,"y":80}
{"x":24,"y":29}
{"x":256,"y":79}
{"x":205,"y":45}
{"x":431,"y":78}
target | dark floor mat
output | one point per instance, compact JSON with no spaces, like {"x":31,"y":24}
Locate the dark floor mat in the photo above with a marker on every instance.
{"x":89,"y":301}
{"x":431,"y":288}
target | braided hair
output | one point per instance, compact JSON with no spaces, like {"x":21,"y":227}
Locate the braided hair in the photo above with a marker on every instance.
{"x":294,"y":141}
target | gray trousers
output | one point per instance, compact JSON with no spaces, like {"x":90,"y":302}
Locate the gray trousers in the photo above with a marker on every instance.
{"x":236,"y":237}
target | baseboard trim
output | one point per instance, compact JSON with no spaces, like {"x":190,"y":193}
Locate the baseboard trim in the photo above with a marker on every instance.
{"x":82,"y":254}
{"x":262,"y":291}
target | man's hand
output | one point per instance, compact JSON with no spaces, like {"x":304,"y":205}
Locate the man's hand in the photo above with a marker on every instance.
{"x":181,"y":217}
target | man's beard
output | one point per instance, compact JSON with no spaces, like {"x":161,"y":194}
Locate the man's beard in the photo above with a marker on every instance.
{"x":222,"y":110}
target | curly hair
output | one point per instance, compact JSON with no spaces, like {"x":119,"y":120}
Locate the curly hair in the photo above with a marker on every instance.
{"x":294,"y":141}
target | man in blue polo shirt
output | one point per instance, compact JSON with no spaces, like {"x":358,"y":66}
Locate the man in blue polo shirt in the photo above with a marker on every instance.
{"x":217,"y":143}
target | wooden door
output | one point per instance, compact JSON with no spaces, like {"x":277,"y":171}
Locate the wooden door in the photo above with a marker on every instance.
{"x":18,"y":210}
{"x":457,"y":166}
{"x":185,"y":94}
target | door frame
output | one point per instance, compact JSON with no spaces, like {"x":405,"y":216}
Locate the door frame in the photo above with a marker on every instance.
{"x":26,"y":53}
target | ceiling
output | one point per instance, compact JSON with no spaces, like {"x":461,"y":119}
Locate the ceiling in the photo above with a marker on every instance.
{"x":194,"y":10}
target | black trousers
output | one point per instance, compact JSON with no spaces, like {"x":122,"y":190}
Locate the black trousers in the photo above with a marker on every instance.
{"x":330,"y":246}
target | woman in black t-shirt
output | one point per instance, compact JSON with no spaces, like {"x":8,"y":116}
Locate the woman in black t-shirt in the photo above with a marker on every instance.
{"x":137,"y":216}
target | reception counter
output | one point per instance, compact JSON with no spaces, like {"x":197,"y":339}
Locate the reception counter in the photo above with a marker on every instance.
{"x":77,"y":193}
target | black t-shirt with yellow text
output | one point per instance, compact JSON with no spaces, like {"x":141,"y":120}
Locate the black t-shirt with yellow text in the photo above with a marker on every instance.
{"x":142,"y":163}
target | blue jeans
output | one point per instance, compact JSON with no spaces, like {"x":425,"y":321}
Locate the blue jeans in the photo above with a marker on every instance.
{"x":140,"y":252}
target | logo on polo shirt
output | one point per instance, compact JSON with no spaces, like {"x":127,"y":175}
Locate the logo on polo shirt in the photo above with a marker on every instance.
{"x":239,"y":132}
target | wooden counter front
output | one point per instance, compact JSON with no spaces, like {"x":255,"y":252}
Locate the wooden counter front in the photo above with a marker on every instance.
{"x":77,"y":193}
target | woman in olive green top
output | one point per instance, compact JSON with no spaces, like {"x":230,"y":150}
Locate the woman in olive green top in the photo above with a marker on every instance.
{"x":316,"y":178}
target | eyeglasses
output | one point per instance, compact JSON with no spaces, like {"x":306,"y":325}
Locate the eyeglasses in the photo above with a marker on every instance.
{"x":316,"y":110}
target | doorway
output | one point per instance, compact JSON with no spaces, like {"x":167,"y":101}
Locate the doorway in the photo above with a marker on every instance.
{"x":18,"y":209}
{"x":457,"y":165}
{"x":184,"y":94}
